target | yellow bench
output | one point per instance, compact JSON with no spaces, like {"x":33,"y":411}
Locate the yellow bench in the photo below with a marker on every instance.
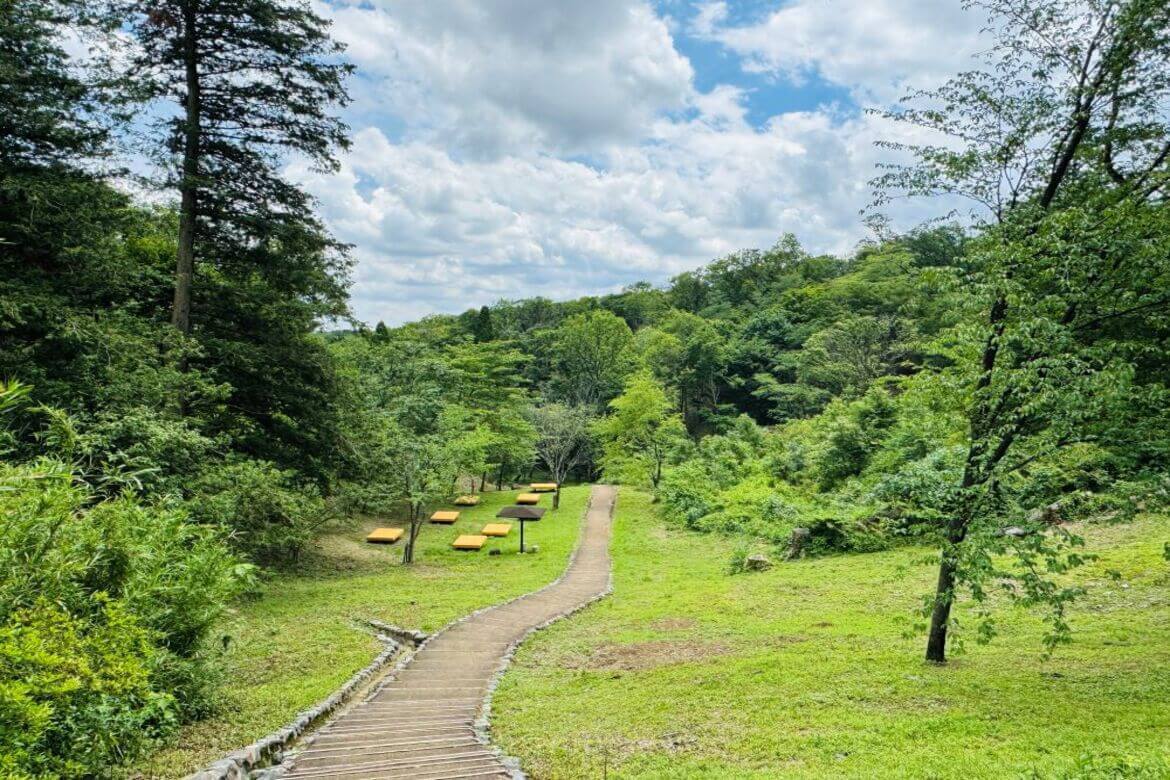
{"x":467,"y":501}
{"x":384,"y":535}
{"x":496,"y":529}
{"x":469,"y":542}
{"x":543,"y":487}
{"x":445,"y":517}
{"x":527,"y":498}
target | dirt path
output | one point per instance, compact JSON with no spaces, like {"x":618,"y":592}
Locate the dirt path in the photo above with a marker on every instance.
{"x":422,"y":724}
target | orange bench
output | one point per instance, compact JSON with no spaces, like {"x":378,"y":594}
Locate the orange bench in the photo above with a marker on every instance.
{"x":444,"y":517}
{"x":528,"y":498}
{"x":469,"y":542}
{"x":384,"y":535}
{"x":496,"y":529}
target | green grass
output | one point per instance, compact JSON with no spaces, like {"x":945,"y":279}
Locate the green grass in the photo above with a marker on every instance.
{"x":300,"y":641}
{"x":804,"y":671}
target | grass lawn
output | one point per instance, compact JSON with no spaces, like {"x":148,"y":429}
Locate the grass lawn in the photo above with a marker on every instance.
{"x":803,"y":671}
{"x":300,"y":640}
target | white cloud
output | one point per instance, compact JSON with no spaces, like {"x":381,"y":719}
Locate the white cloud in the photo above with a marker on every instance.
{"x":511,"y":148}
{"x":492,"y":76}
{"x":876,"y":47}
{"x":437,"y":234}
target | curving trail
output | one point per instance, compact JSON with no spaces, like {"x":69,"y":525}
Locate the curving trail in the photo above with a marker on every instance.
{"x":422,"y":724}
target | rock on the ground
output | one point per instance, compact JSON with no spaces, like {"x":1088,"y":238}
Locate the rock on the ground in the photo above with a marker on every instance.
{"x":796,"y":542}
{"x":1051,"y":514}
{"x":757,"y":562}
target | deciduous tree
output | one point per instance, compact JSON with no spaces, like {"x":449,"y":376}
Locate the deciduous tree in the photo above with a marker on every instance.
{"x":1064,"y":140}
{"x":641,"y":431}
{"x":563,"y":440}
{"x":592,"y":358}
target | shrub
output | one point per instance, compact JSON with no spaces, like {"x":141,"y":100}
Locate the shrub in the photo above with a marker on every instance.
{"x":77,"y":696}
{"x":737,"y":563}
{"x":924,"y":491}
{"x":161,"y":453}
{"x":687,"y":494}
{"x":106,"y":607}
{"x":855,"y":535}
{"x":270,"y":518}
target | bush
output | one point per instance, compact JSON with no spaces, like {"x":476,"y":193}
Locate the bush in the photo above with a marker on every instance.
{"x":923,"y":491}
{"x":270,"y":518}
{"x":105,"y":608}
{"x":686,"y":494}
{"x":737,"y":563}
{"x":77,"y":696}
{"x":161,"y":453}
{"x":851,"y":535}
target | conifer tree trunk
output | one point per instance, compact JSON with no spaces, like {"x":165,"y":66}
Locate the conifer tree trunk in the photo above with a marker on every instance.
{"x":188,"y":185}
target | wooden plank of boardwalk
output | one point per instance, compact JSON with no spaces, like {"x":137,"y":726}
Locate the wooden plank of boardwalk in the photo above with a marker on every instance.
{"x":420,"y":725}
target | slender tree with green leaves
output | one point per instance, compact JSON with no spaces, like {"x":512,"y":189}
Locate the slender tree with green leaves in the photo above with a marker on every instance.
{"x":641,"y":431}
{"x":1063,"y":142}
{"x":563,"y":440}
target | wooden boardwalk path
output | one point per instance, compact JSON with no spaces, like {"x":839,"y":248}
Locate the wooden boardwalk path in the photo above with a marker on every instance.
{"x":421,"y":725}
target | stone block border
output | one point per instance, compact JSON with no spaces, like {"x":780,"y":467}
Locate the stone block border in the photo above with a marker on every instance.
{"x":239,"y":764}
{"x":248,"y":762}
{"x":482,"y":724}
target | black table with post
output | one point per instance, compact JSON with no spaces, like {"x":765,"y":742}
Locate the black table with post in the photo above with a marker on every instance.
{"x":523,"y":514}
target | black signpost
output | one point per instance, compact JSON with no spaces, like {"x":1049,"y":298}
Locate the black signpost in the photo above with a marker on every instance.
{"x":524,"y":514}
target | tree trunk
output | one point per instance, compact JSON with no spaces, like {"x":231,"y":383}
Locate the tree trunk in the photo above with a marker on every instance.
{"x":408,"y":550}
{"x":940,"y":616}
{"x":557,"y":496}
{"x":944,"y":594}
{"x":500,"y":479}
{"x":188,"y":183}
{"x":483,"y":481}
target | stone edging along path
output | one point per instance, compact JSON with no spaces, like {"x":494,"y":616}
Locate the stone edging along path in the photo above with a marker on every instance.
{"x":428,"y":720}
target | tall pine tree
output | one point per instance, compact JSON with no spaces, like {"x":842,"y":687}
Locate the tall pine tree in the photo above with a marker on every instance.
{"x":51,"y":115}
{"x":253,"y":81}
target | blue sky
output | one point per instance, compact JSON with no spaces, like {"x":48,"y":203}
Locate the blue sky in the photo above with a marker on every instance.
{"x":510,"y":148}
{"x":767,"y":94}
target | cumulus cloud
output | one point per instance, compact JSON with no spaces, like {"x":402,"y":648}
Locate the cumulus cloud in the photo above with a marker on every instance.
{"x":878,"y":48}
{"x":435,"y":233}
{"x":511,"y":148}
{"x":492,"y":76}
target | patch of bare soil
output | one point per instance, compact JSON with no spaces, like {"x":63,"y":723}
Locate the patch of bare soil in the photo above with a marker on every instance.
{"x":648,"y":655}
{"x":673,"y":624}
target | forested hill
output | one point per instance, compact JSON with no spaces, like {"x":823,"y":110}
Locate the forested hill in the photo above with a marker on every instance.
{"x":806,"y":391}
{"x":774,"y":333}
